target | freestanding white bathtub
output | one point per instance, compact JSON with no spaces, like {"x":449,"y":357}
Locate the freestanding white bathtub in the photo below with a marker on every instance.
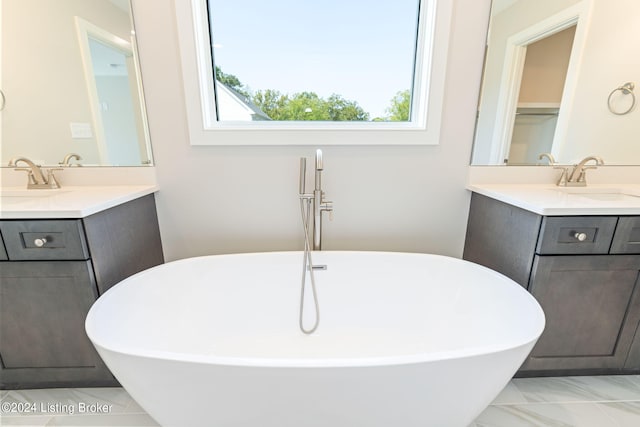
{"x":404,"y":340}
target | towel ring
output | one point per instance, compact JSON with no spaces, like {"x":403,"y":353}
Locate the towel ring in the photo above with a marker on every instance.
{"x":626,"y":89}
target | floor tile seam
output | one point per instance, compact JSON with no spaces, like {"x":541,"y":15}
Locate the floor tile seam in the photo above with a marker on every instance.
{"x":72,"y":394}
{"x":75,"y":414}
{"x":565,"y":402}
{"x":612,"y":421}
{"x":4,"y":417}
{"x":101,"y":418}
{"x":45,"y":418}
{"x":100,"y":415}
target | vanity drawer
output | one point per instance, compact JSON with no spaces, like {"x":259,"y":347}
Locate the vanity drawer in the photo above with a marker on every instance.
{"x":576,"y":235}
{"x":44,"y":240}
{"x":627,"y":237}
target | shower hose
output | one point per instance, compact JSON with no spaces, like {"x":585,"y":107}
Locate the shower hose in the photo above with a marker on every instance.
{"x":307,"y":265}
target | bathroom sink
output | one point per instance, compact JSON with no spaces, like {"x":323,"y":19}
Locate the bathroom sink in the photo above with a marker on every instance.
{"x":608,"y":196}
{"x":601,"y":193}
{"x":589,"y":190}
{"x":31,"y":193}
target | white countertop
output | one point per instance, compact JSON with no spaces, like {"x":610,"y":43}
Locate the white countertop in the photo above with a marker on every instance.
{"x":66,"y":202}
{"x":549,"y":199}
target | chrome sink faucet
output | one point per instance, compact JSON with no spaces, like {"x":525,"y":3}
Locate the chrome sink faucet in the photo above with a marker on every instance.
{"x":549,"y":157}
{"x":320,"y":205}
{"x":578,"y":176}
{"x":37,"y":180}
{"x":67,"y":160}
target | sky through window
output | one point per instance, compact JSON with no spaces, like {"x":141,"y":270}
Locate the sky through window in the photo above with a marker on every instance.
{"x":361,"y":50}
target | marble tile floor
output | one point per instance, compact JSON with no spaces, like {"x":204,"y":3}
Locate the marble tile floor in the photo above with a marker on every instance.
{"x":602,"y":401}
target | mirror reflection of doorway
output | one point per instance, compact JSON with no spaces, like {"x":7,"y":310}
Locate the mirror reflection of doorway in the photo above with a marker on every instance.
{"x":116,"y":107}
{"x":542,"y":84}
{"x":116,"y":103}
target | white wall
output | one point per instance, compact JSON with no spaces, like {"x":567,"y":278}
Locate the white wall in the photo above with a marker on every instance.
{"x":242,"y":199}
{"x":610,"y":60}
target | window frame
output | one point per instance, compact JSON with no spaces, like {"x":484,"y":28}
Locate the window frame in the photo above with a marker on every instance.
{"x":426,"y":110}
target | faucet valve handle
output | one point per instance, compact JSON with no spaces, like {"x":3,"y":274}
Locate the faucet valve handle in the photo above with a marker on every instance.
{"x":52,"y":182}
{"x":327,"y":205}
{"x":564,"y":176}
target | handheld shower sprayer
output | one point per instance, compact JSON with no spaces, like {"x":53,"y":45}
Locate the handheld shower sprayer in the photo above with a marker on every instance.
{"x":303,"y":175}
{"x":311,"y":202}
{"x":319,"y":168}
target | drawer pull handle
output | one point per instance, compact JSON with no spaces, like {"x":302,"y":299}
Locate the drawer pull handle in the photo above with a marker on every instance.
{"x":580,"y":236}
{"x":40,"y":242}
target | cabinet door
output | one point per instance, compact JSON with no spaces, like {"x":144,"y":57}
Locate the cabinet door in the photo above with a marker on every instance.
{"x":592,"y":308}
{"x":502,"y":237}
{"x":124,"y":240}
{"x":3,"y":252}
{"x":43,"y":305}
{"x":627,"y":237}
{"x":632,"y":363}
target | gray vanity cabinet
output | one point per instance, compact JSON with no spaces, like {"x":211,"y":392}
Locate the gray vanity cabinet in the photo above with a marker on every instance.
{"x":54,"y":271}
{"x":42,"y":338}
{"x":627,"y":237}
{"x":3,"y":251}
{"x":592,"y":308}
{"x":583,"y":270}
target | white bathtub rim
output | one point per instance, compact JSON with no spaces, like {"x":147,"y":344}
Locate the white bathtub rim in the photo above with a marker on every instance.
{"x":321,"y":362}
{"x":325,"y":362}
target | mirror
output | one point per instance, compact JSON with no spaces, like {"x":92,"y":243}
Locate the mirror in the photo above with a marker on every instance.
{"x":70,"y":83}
{"x":561,"y":77}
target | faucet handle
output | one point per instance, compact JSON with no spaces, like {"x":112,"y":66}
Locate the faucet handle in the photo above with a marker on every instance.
{"x":31,"y":179}
{"x":562,"y":181}
{"x":327,"y":205}
{"x":52,"y":182}
{"x":583,"y":173}
{"x":549,"y":157}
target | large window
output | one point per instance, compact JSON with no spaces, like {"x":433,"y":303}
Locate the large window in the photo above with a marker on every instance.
{"x":330,"y":60}
{"x":301,"y":65}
